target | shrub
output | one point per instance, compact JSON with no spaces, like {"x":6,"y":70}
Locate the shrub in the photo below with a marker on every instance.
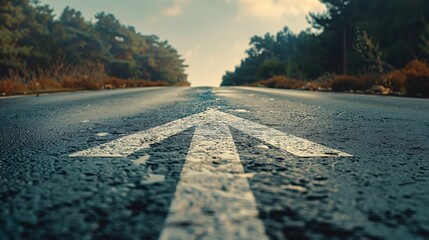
{"x":343,"y":83}
{"x":417,"y":74}
{"x":368,"y":81}
{"x":84,"y":83}
{"x":73,"y":81}
{"x":318,"y":86}
{"x":397,"y":81}
{"x":8,"y":87}
{"x":144,"y":83}
{"x":182,"y":84}
{"x":46,"y":83}
{"x":88,"y":83}
{"x":280,"y":82}
{"x":322,"y":83}
{"x":68,"y":82}
{"x":114,"y":82}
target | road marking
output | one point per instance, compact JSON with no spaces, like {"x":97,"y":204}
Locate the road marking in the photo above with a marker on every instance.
{"x":127,"y":145}
{"x":141,"y":160}
{"x":102,"y":134}
{"x":212,"y":198}
{"x":297,"y":146}
{"x":153,"y":178}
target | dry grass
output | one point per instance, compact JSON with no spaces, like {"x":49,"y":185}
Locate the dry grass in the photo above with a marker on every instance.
{"x":182,"y":84}
{"x":82,"y":83}
{"x":45,"y":83}
{"x":397,"y":80}
{"x":114,"y":82}
{"x":15,"y":87}
{"x":8,"y":87}
{"x":344,"y":83}
{"x":412,"y":80}
{"x":87,"y":76}
{"x":417,"y":75}
{"x":322,"y":83}
{"x":280,"y":82}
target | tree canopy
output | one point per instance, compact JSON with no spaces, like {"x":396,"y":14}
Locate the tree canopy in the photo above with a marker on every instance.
{"x":350,"y":37}
{"x":33,"y":38}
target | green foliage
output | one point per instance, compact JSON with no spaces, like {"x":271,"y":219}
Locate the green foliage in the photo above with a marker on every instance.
{"x":270,"y":68}
{"x":32,"y":40}
{"x":370,"y":51}
{"x":283,"y":54}
{"x":12,"y":17}
{"x":353,"y":37}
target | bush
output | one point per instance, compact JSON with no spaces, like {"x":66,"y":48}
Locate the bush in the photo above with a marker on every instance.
{"x":280,"y":82}
{"x":114,"y":82}
{"x":343,"y":83}
{"x":317,"y":86}
{"x":75,"y":81}
{"x":182,"y":84}
{"x":46,"y":83}
{"x":83,"y":83}
{"x":88,"y":83}
{"x":68,"y":82}
{"x":397,"y":81}
{"x":412,"y":80}
{"x":144,"y":83}
{"x":417,"y":74}
{"x":8,"y":87}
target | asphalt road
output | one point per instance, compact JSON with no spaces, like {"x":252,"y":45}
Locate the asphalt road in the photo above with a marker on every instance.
{"x":382,"y":192}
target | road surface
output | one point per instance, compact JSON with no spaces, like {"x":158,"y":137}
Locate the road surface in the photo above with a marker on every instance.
{"x":371,"y":183}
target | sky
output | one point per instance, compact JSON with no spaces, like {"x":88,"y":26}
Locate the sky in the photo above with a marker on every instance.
{"x":211,"y":35}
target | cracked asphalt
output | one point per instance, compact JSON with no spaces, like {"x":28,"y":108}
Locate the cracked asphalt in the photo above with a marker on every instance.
{"x":380,"y":193}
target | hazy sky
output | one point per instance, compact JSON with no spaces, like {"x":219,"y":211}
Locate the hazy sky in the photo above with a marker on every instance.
{"x":211,"y":35}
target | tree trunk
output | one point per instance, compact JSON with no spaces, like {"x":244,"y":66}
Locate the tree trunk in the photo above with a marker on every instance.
{"x":345,"y":50}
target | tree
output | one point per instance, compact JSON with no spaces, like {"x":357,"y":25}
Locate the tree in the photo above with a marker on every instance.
{"x":75,"y":39}
{"x":271,"y":68}
{"x":425,"y":38}
{"x":337,"y":26}
{"x":32,"y":41}
{"x":390,"y":34}
{"x":11,"y":33}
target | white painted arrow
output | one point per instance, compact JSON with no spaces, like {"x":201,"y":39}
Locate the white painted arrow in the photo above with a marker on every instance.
{"x":213,"y":198}
{"x":127,"y":145}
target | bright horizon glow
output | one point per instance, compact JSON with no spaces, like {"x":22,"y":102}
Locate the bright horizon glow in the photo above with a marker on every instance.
{"x":210,"y":35}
